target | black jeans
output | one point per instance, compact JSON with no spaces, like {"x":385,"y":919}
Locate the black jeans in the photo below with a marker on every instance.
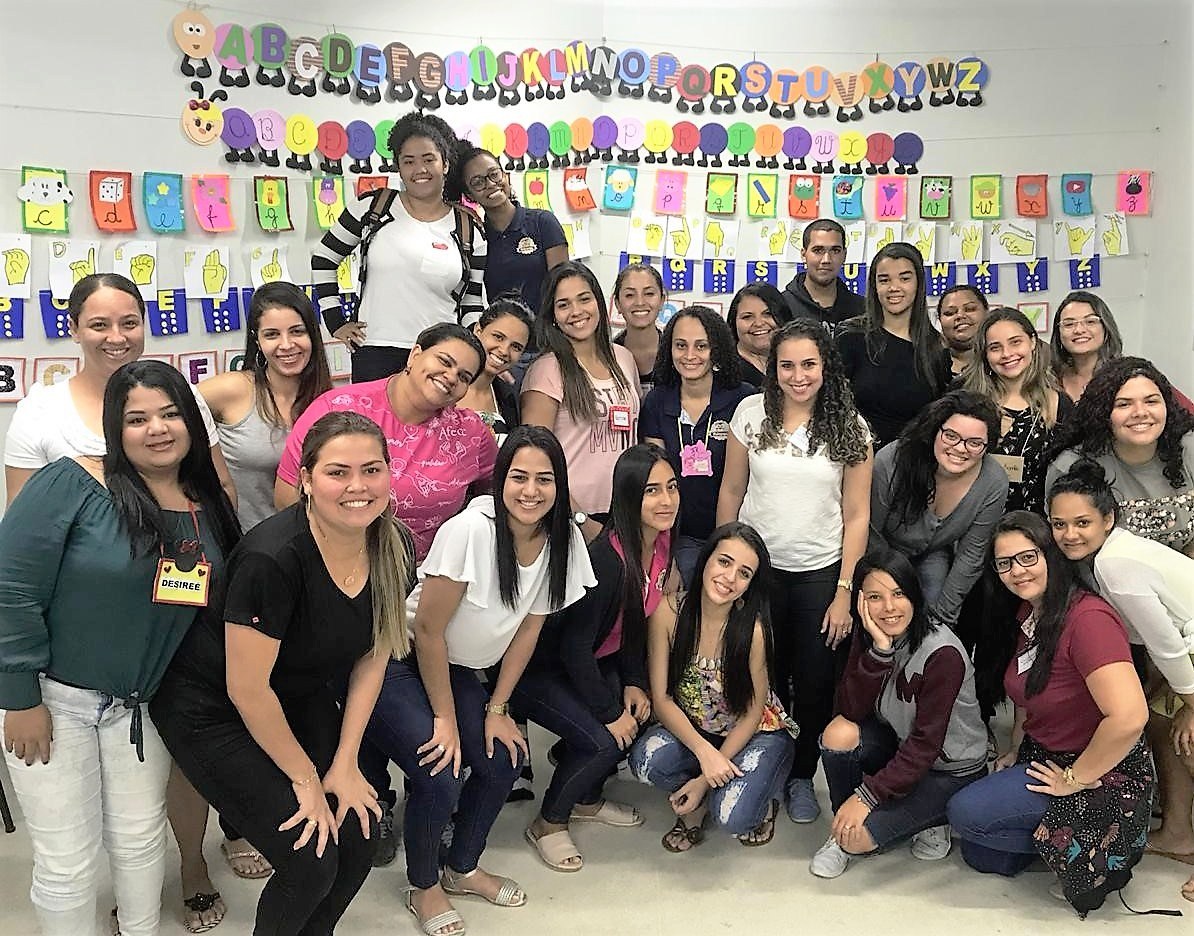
{"x":374,"y":363}
{"x":588,"y":753}
{"x":306,"y":895}
{"x":806,"y":670}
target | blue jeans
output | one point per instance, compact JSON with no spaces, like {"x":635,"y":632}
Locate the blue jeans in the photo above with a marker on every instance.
{"x":897,"y":819}
{"x":995,"y":819}
{"x":401,"y":723}
{"x":686,"y":550}
{"x":588,"y":753}
{"x":661,"y":759}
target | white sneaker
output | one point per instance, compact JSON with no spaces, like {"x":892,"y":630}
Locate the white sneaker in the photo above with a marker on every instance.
{"x":829,"y":861}
{"x":931,"y":844}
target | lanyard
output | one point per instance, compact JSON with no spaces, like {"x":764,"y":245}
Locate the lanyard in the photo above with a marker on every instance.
{"x":708,"y":428}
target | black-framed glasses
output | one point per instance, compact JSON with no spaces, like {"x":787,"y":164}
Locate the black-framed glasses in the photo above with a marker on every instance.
{"x":1025,"y":560}
{"x":493,"y":176}
{"x":974,"y":445}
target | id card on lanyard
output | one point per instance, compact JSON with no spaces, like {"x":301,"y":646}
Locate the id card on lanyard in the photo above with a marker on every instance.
{"x":696,"y":461}
{"x":184,"y":579}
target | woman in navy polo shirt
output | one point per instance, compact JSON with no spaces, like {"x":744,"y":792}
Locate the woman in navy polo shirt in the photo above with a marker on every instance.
{"x":523,"y":243}
{"x":687,"y":414}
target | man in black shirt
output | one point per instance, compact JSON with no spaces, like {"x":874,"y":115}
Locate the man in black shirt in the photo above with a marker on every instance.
{"x":818,"y":293}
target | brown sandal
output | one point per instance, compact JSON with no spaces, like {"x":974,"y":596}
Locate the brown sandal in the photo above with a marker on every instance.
{"x":764,"y":832}
{"x":680,"y":832}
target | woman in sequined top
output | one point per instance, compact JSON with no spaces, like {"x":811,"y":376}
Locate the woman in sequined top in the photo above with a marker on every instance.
{"x":723,"y":745}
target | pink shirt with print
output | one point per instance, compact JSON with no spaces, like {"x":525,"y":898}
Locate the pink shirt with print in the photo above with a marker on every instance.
{"x":431,"y":464}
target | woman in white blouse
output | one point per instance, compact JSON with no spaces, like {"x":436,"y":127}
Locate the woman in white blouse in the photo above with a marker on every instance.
{"x":1152,"y":588}
{"x":493,"y":573}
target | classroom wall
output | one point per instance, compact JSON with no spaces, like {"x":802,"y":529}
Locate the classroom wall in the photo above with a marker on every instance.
{"x":1094,"y":86}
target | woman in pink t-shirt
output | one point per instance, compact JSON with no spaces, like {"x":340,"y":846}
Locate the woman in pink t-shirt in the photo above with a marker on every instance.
{"x":1077,"y":782}
{"x":582,"y":388}
{"x":587,"y":681}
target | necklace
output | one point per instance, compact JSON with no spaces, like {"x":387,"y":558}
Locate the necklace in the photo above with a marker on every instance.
{"x":351,"y":578}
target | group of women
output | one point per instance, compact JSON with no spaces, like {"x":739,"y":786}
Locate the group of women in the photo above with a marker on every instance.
{"x":724,"y":584}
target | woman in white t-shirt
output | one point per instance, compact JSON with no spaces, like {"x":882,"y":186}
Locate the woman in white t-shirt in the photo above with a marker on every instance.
{"x":798,"y":469}
{"x":1152,"y":588}
{"x":107,"y":322}
{"x":583,"y":388}
{"x":494,"y":572}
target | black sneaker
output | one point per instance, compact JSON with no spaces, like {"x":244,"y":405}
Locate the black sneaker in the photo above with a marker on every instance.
{"x":387,"y":839}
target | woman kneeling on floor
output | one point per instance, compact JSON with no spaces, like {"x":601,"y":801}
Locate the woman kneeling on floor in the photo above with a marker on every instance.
{"x":1076,"y":784}
{"x":908,"y":734}
{"x":722,"y":747}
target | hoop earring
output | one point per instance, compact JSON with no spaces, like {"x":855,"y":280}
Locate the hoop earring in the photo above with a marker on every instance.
{"x":259,"y":361}
{"x":739,"y":604}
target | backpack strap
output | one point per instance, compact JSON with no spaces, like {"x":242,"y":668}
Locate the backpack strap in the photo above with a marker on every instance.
{"x":377,"y":217}
{"x":467,"y":224}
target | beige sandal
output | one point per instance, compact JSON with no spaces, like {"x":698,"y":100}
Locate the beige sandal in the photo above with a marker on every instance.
{"x":555,"y":848}
{"x":619,"y":815}
{"x":441,"y":921}
{"x":246,"y":853}
{"x":509,"y":894}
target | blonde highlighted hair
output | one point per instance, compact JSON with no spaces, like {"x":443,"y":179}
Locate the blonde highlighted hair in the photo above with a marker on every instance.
{"x":1039,"y":378}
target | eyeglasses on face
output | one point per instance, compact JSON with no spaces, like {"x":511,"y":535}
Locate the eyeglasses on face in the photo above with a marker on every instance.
{"x":1091,"y":322}
{"x":1026,"y":560}
{"x":952,"y":440}
{"x":493,"y":176}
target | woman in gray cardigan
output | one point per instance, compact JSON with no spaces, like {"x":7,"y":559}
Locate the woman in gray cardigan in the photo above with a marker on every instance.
{"x":936,"y":495}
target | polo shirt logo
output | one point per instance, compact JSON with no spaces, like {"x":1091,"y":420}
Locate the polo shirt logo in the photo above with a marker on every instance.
{"x":527,"y":245}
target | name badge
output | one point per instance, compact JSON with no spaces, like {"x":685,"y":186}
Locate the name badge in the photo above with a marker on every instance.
{"x":619,"y":417}
{"x":173,"y":586}
{"x":1013,"y":465}
{"x":1025,"y":660}
{"x":696,"y":461}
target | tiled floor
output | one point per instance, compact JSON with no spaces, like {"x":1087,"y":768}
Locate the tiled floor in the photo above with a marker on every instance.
{"x":629,"y":883}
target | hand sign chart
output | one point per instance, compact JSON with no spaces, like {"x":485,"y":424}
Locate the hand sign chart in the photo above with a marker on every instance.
{"x":70,"y":261}
{"x":15,"y":252}
{"x":205,"y":272}
{"x":138,"y":260}
{"x":268,"y":265}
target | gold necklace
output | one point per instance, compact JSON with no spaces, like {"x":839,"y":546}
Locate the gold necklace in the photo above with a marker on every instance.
{"x":351,"y":578}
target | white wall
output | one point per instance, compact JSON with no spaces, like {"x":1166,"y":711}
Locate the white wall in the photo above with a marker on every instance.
{"x":1076,"y":86}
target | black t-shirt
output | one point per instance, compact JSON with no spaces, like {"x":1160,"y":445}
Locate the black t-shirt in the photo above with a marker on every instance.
{"x":279,"y":585}
{"x":888,"y":390}
{"x":750,"y":374}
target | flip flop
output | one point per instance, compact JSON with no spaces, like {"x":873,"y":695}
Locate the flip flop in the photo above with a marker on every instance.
{"x":763,"y":838}
{"x":200,"y":903}
{"x":555,"y":848}
{"x":619,"y":815}
{"x":233,"y":855}
{"x":1183,"y":857}
{"x":436,"y":923}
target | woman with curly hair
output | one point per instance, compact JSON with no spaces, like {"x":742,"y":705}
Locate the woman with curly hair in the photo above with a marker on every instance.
{"x":1130,"y":422}
{"x":936,"y":495}
{"x":798,"y":469}
{"x":892,"y":354}
{"x":757,"y":312}
{"x":1011,"y":369}
{"x":583,"y":388}
{"x":960,"y":309}
{"x":688,"y":413}
{"x":422,"y":256}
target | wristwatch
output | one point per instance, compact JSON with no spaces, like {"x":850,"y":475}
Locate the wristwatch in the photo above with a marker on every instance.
{"x":497,"y":708}
{"x":580,"y":518}
{"x":847,"y":584}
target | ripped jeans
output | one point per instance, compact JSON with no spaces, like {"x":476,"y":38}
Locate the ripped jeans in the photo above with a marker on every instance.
{"x":661,"y":759}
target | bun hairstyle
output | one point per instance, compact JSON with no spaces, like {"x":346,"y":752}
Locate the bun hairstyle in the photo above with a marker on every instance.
{"x":1088,"y":478}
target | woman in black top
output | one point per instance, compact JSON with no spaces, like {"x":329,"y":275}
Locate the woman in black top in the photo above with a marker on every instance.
{"x":250,"y":706}
{"x":892,"y":354}
{"x":757,"y":312}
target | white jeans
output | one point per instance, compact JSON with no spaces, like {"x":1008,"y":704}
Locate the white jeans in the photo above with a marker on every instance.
{"x":94,"y":792}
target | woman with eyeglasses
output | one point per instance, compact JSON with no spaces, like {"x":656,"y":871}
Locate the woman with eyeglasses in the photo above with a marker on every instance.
{"x":1011,"y":369}
{"x":936,"y":494}
{"x":1129,"y":421}
{"x":1084,"y":338}
{"x":1076,"y":785}
{"x":524,"y":243}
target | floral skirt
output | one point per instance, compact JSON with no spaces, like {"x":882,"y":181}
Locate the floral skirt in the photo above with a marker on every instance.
{"x":1092,"y":839}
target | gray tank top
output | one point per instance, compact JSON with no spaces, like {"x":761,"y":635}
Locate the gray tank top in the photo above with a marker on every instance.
{"x":253,"y":448}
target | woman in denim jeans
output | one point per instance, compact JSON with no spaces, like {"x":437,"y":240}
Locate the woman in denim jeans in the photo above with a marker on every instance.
{"x":86,"y":635}
{"x":722,"y":748}
{"x":492,"y":575}
{"x":907,"y":734}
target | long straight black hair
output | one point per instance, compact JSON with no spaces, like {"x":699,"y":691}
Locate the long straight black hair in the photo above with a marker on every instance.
{"x":556,"y":523}
{"x":631,"y":473}
{"x":1062,"y":589}
{"x":140,"y":514}
{"x":737,"y":685}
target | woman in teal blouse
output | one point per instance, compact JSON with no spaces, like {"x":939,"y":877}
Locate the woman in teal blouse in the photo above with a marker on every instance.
{"x":104,"y":564}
